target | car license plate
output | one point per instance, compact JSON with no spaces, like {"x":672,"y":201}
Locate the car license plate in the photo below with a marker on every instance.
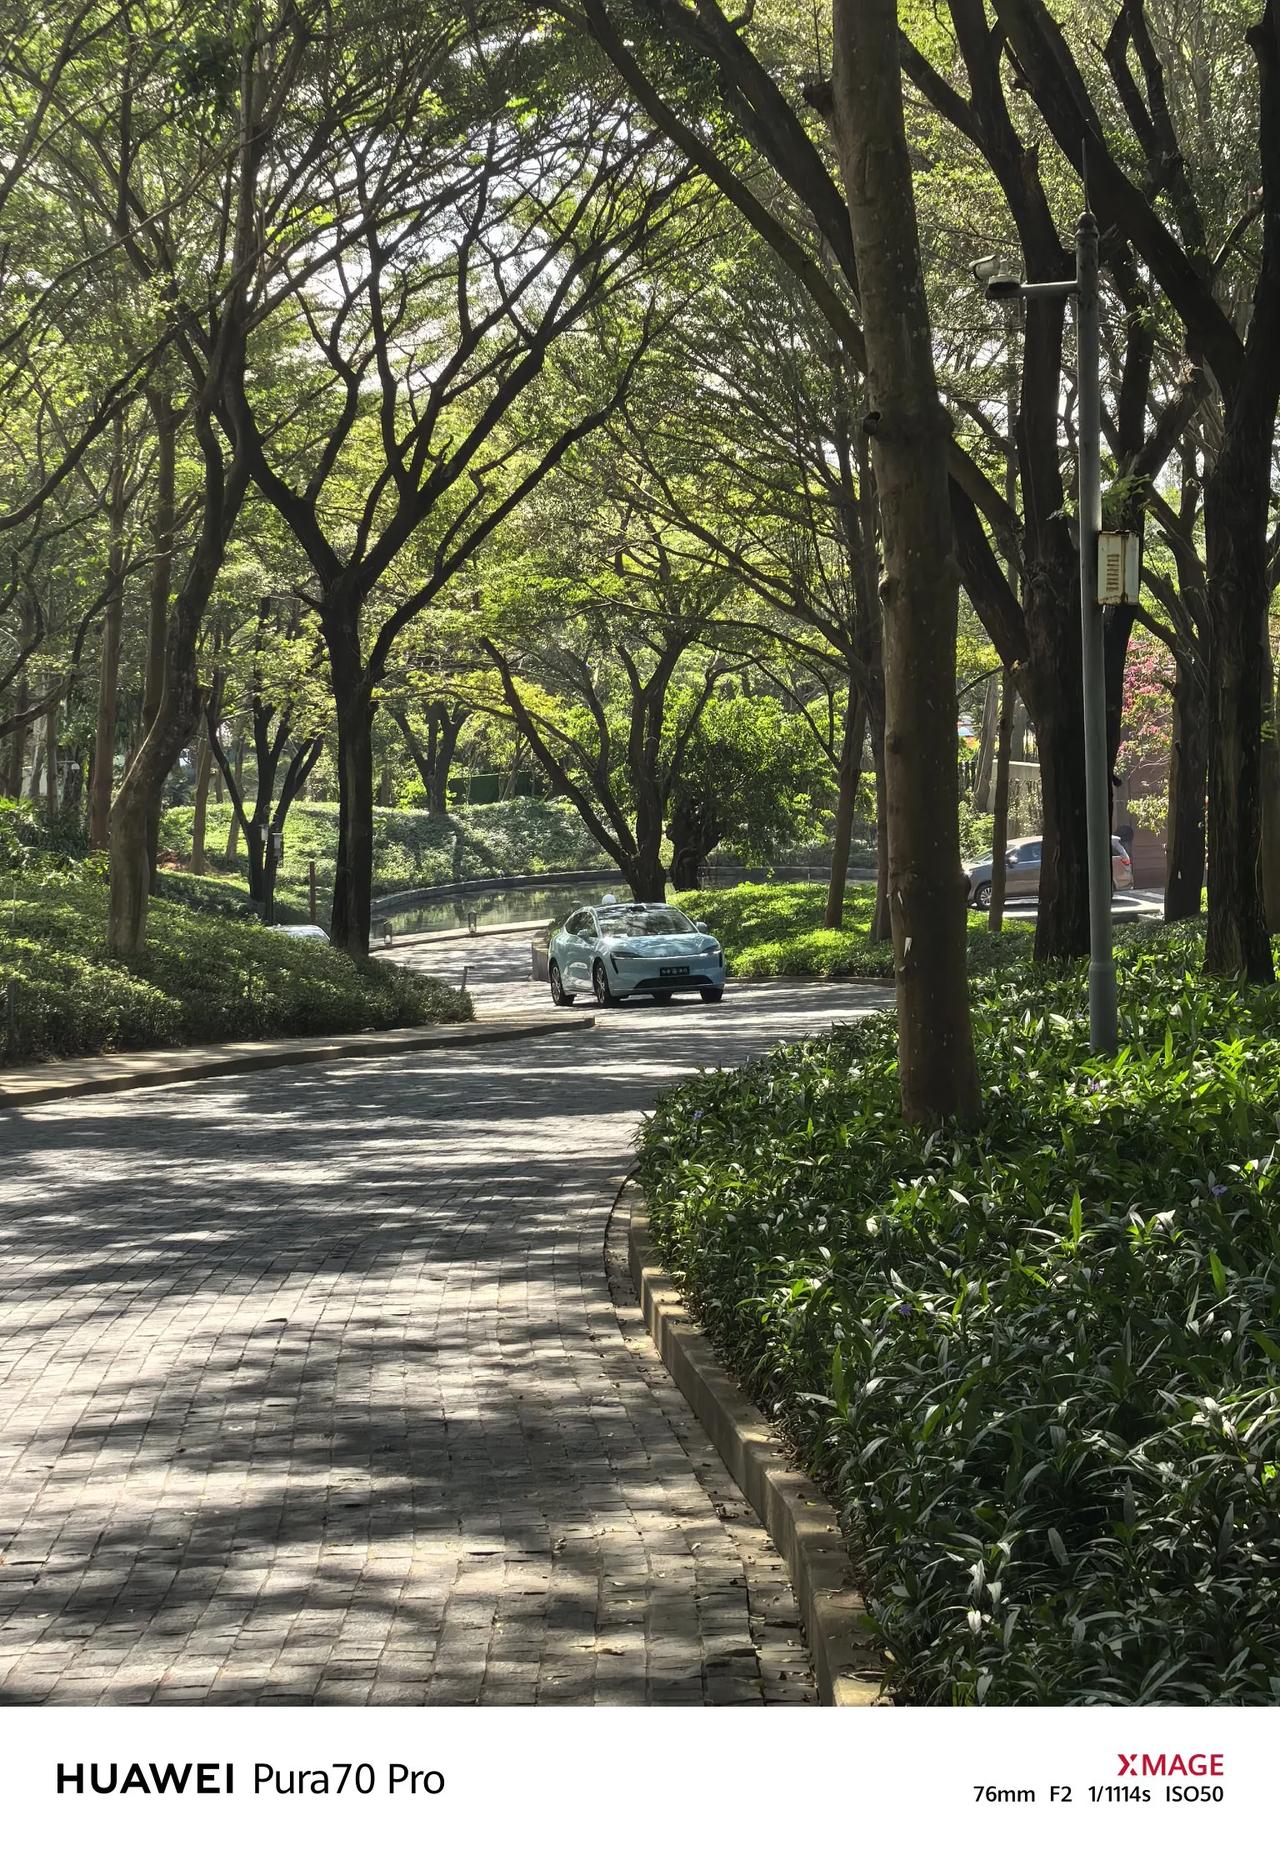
{"x":673,"y":970}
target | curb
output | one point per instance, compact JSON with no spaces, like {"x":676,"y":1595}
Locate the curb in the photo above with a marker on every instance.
{"x":812,"y":982}
{"x":169,"y":1066}
{"x":800,"y":1522}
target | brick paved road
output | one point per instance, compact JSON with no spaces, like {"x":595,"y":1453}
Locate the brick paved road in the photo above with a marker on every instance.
{"x":313,"y":1388}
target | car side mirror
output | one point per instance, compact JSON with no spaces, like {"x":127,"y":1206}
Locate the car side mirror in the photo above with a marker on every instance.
{"x":1011,"y":859}
{"x":700,"y":925}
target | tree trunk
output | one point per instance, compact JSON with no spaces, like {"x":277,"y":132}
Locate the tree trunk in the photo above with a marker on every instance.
{"x":253,"y":823}
{"x":645,"y":871}
{"x":881,"y":925}
{"x":218,"y":404}
{"x":255,"y":848}
{"x":1117,"y":628}
{"x":270,"y":868}
{"x":695,"y":830}
{"x":1237,"y":499}
{"x":237,"y":765}
{"x":104,"y":748}
{"x":449,"y":729}
{"x":849,"y":776}
{"x":165,"y":420}
{"x":1000,"y":801}
{"x":987,"y":745}
{"x":646,"y":875}
{"x":200,"y":805}
{"x":937,"y":1070}
{"x":51,"y":762}
{"x":138,"y":798}
{"x":72,"y":788}
{"x":686,"y":868}
{"x":205,"y":767}
{"x":15,"y":745}
{"x":353,"y":874}
{"x":130,"y":873}
{"x":1236,"y":942}
{"x":435,"y":764}
{"x":16,"y":750}
{"x":1271,"y":802}
{"x":1188,"y":772}
{"x":1053,"y":690}
{"x":139,"y":794}
{"x":295,"y":777}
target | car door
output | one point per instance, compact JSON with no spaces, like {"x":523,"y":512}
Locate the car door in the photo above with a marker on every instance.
{"x":587,"y":940}
{"x":569,"y":951}
{"x":1024,"y":879}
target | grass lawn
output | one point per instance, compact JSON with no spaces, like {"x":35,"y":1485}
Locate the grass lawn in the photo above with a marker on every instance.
{"x":777,"y":930}
{"x":1036,"y":1364}
{"x":203,"y":977}
{"x":411,"y":849}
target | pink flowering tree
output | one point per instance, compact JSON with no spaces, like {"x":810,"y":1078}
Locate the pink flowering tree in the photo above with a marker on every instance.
{"x":1146,"y":728}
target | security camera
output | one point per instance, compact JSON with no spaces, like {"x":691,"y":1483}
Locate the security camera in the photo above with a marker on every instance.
{"x":999,"y":280}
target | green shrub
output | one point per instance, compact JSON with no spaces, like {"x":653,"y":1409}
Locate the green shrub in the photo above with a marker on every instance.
{"x":1036,"y":1364}
{"x":203,"y":977}
{"x":30,"y":838}
{"x":772,"y":930}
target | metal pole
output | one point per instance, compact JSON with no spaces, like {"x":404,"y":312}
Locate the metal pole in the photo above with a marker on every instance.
{"x":1103,"y":1026}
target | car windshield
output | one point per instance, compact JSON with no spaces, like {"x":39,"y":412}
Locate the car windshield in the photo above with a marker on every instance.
{"x":643,"y":921}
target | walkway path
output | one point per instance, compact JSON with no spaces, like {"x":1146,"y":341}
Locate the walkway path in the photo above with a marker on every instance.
{"x":312,"y":1389}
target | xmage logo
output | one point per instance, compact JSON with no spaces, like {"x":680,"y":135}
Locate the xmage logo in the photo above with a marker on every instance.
{"x":1170,"y":1766}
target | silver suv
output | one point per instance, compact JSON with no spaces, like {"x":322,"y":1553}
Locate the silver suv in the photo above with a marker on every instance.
{"x":1022,"y":872}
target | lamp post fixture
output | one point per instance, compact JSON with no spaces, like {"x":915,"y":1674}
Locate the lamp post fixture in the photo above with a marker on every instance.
{"x":1003,"y":287}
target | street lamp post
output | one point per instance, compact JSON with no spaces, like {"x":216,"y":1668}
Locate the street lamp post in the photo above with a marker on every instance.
{"x":1103,"y":1029}
{"x":1103,"y":1026}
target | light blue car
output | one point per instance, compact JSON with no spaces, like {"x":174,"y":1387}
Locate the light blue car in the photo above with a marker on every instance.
{"x":619,"y":949}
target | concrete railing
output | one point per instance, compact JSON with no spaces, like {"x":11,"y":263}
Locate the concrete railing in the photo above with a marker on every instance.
{"x":713,"y":875}
{"x":494,"y":883}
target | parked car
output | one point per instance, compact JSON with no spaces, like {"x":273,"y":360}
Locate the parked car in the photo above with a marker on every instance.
{"x":302,"y":931}
{"x":1022,"y":871}
{"x":621,"y":949}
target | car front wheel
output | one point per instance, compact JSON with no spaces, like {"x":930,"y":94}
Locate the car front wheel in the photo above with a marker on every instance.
{"x":982,"y":896}
{"x":562,"y":997}
{"x":713,"y":995}
{"x":600,"y":983}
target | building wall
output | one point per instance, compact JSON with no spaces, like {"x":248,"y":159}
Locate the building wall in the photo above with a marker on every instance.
{"x":1149,"y":847}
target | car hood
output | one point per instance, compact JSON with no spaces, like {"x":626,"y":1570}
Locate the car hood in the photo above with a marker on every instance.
{"x":675,"y":944}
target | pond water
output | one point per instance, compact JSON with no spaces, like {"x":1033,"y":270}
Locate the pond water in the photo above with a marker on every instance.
{"x":515,"y":904}
{"x":497,"y":908}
